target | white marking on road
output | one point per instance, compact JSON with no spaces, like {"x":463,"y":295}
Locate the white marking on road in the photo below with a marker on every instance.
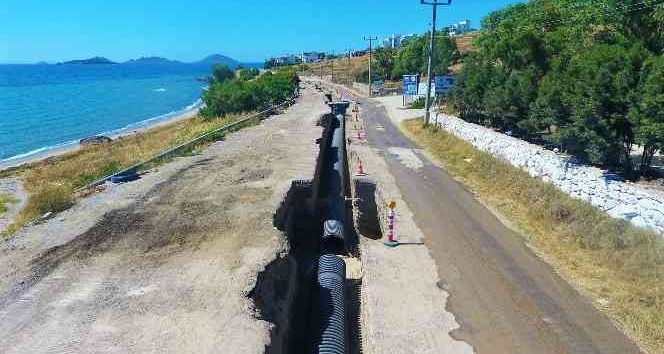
{"x":380,"y":128}
{"x":407,"y":157}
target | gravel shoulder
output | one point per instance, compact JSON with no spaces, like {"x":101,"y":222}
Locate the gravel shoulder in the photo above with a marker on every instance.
{"x":163,"y":264}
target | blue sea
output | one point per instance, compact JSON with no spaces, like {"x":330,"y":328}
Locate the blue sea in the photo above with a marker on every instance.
{"x":44,"y":107}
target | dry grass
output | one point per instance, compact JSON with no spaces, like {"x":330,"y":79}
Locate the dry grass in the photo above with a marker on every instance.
{"x":341,"y":68}
{"x":604,"y":258}
{"x":465,"y":42}
{"x":51,"y":183}
{"x":4,"y":200}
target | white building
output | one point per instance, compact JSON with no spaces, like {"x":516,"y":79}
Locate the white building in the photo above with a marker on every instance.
{"x":395,"y":41}
{"x":287,"y":59}
{"x":459,"y":28}
{"x":310,"y":57}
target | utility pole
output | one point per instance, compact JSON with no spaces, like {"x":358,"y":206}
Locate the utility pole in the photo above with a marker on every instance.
{"x":321,"y":69}
{"x":434,"y":4}
{"x":332,"y":63}
{"x":349,"y":67}
{"x":370,"y":39}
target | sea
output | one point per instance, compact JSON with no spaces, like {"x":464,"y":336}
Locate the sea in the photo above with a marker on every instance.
{"x":49,"y":107}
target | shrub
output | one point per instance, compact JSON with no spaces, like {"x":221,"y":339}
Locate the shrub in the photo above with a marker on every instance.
{"x":238,"y":95}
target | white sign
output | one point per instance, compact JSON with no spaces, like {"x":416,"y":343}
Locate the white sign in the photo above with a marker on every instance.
{"x":422,"y":90}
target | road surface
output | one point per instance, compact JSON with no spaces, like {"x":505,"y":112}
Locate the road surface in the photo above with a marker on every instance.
{"x":506,"y":299}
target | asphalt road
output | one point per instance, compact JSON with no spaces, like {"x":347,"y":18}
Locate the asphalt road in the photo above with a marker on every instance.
{"x":506,"y":299}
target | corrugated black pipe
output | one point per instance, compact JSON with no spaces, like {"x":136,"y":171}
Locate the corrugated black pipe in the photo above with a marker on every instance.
{"x":331,"y":305}
{"x":336,"y":197}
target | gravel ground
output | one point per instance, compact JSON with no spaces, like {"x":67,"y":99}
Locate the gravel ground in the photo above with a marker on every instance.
{"x":163,"y":264}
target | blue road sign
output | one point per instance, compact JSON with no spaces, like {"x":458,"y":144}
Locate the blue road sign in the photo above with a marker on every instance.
{"x":410,"y":83}
{"x":444,"y":83}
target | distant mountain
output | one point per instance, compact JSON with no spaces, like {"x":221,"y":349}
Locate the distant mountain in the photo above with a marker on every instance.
{"x":220,"y":59}
{"x":151,"y":61}
{"x":95,"y":60}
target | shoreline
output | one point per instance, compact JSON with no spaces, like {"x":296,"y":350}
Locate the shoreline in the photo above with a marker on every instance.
{"x":44,"y":153}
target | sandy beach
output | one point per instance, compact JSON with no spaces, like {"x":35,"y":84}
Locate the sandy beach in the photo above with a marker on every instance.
{"x":129,"y":131}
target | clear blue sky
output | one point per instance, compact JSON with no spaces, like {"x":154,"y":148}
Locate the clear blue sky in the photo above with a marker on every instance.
{"x":56,"y":30}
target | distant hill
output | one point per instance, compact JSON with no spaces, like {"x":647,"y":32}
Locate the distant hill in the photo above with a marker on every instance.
{"x":151,"y":61}
{"x":95,"y":60}
{"x":220,"y":59}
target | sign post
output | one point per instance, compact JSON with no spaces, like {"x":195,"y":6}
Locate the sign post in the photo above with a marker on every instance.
{"x":410,"y":84}
{"x":444,"y":83}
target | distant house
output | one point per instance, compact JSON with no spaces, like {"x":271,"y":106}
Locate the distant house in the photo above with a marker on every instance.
{"x":311,"y":57}
{"x":286,"y":60}
{"x":459,"y":28}
{"x":395,"y":41}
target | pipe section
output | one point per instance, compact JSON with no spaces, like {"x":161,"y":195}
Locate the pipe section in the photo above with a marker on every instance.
{"x":333,"y":227}
{"x":331,"y":305}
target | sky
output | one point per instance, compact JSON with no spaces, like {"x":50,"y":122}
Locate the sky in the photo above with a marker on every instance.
{"x":249,"y":31}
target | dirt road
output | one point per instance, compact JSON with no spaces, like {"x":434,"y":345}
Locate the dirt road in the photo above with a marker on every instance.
{"x":505,"y":298}
{"x":161,"y":265}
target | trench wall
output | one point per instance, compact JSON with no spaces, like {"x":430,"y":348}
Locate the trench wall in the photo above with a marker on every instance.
{"x":641,"y":206}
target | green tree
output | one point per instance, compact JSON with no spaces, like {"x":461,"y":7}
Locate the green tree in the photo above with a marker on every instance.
{"x":570,"y":68}
{"x":648,"y":113}
{"x":246,"y":74}
{"x":599,"y":94}
{"x":413,"y":56}
{"x":383,"y":63}
{"x":221,"y":73}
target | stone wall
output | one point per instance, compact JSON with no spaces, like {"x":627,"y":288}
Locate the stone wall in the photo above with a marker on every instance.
{"x":642,"y":206}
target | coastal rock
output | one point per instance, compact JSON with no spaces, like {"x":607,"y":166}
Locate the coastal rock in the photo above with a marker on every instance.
{"x":95,"y":140}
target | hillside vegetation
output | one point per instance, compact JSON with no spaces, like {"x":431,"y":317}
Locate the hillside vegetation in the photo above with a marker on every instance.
{"x":587,"y":76}
{"x":230,"y":93}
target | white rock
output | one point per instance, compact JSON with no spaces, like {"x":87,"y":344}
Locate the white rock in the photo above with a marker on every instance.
{"x":620,"y":199}
{"x":640,"y":222}
{"x":624,"y":211}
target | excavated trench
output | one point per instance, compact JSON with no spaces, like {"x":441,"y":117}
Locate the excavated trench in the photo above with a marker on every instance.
{"x":313,"y":306}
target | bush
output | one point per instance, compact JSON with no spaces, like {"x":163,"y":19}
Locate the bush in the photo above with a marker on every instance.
{"x":246,"y":74}
{"x":239,"y":95}
{"x":50,"y":198}
{"x":221,"y":73}
{"x":418,"y":103}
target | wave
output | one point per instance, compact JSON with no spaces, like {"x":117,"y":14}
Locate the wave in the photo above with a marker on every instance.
{"x":161,"y":89}
{"x":40,"y":150}
{"x":112,"y":133}
{"x":154,"y":120}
